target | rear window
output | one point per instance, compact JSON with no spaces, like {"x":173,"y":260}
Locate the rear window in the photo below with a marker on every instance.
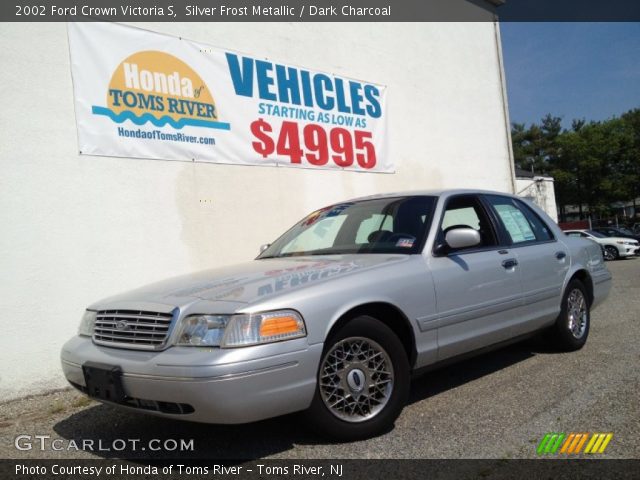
{"x":520,"y":222}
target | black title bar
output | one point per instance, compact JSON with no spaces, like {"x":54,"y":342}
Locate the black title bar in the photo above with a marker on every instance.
{"x":319,"y":10}
{"x":115,"y":469}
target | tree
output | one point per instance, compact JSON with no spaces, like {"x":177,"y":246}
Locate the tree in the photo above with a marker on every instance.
{"x":594,"y":163}
{"x":632,"y":159}
{"x":534,"y":148}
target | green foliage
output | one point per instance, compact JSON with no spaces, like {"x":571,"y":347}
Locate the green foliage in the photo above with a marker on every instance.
{"x":593,"y":163}
{"x":533,"y":148}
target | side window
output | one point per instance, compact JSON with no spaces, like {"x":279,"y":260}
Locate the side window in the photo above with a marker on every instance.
{"x":573,"y":234}
{"x":540,"y":228}
{"x":520,"y":222}
{"x":466,"y":216}
{"x":466,"y":211}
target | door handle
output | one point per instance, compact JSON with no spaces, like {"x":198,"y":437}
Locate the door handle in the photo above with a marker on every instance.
{"x":510,"y":263}
{"x":561,"y":255}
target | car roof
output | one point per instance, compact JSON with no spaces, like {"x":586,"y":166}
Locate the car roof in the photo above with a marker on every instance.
{"x":432,"y":193}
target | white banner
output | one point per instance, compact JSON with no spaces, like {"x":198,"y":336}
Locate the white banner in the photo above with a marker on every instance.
{"x":146,"y":95}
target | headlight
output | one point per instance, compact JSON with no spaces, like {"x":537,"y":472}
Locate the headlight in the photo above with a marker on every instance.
{"x":228,"y":331}
{"x":87,"y":323}
{"x":202,"y":330}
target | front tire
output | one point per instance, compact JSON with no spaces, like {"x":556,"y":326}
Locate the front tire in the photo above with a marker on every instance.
{"x":362,"y":383}
{"x":611,"y":253}
{"x":572,"y":325}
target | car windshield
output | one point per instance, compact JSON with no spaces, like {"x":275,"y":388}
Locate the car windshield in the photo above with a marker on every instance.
{"x":596,"y":234}
{"x":625,"y":231}
{"x":382,"y":225}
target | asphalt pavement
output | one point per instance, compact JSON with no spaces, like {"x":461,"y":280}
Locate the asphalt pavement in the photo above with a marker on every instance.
{"x":498,"y":405}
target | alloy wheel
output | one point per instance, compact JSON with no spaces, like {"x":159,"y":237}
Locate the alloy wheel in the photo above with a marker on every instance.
{"x":577,"y":313}
{"x":356,"y":379}
{"x":610,"y":253}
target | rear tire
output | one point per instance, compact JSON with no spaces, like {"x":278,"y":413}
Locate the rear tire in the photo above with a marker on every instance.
{"x":362,"y":382}
{"x":572,"y":326}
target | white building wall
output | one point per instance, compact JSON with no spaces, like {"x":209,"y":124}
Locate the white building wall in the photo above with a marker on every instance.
{"x":78,"y":228}
{"x":540,"y":191}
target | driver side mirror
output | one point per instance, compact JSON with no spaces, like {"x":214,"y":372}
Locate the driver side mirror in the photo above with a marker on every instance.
{"x":457,"y":238}
{"x":462,"y":238}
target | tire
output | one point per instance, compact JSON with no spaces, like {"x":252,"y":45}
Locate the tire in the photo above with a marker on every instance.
{"x":611,"y":253}
{"x":356,"y":398}
{"x":571,"y":329}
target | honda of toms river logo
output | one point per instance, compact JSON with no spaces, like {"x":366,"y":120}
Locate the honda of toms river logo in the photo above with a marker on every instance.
{"x":573,"y":443}
{"x":158,"y":88}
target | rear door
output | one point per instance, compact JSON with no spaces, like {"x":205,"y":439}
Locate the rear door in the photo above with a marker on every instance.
{"x":543,"y":261}
{"x":478,"y":292}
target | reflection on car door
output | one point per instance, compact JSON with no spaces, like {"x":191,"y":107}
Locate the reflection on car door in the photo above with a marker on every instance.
{"x":543,"y":261}
{"x":478,"y":289}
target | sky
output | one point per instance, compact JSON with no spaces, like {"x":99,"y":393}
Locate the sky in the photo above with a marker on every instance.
{"x":571,"y":70}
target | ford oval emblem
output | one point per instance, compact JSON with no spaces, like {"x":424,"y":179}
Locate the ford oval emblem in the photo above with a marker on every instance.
{"x":120,"y":325}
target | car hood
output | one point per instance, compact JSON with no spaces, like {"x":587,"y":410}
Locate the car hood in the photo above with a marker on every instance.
{"x":234,"y":286}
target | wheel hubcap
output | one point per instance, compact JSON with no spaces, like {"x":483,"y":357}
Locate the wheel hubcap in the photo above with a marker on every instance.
{"x":356,"y":379}
{"x":577,"y":312}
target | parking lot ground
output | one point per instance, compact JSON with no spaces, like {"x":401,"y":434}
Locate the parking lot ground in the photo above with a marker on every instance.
{"x":498,"y":405}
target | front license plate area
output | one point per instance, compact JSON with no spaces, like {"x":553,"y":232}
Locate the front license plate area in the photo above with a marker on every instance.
{"x":104,"y":382}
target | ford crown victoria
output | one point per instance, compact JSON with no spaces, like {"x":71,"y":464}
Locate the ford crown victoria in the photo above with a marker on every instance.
{"x":334,"y":316}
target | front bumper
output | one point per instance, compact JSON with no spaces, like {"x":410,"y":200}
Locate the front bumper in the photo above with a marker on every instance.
{"x":210,"y":385}
{"x":628,"y":251}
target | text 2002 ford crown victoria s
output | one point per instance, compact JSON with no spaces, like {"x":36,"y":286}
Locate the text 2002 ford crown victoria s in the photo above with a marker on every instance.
{"x":334,"y":316}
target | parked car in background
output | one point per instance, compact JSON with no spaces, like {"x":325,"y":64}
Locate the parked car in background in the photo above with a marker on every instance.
{"x":335,"y":315}
{"x":617,"y":232}
{"x":613,"y":247}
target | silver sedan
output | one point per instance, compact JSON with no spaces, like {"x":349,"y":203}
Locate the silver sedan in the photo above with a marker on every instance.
{"x":334,"y":316}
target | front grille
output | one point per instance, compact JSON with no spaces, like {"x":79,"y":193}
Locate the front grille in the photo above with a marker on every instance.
{"x":132,"y":329}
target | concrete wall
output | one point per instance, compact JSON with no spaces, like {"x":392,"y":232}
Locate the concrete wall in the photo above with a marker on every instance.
{"x":540,"y":191}
{"x":79,"y":228}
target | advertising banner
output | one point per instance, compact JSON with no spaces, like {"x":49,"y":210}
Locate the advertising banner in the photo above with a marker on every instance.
{"x":141,"y":94}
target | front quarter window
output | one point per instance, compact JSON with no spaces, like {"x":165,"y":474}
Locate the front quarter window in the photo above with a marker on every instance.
{"x":381,"y":225}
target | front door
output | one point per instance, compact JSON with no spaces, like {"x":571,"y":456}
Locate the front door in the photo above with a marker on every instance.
{"x":478,"y":290}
